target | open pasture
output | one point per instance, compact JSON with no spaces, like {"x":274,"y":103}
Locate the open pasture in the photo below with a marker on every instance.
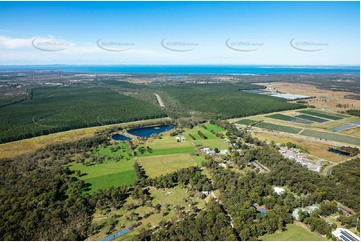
{"x":155,"y":166}
{"x":214,"y":127}
{"x":293,"y":232}
{"x":110,"y":172}
{"x":157,"y":152}
{"x":195,"y":134}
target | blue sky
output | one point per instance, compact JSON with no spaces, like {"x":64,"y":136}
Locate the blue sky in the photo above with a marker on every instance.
{"x":278,"y":33}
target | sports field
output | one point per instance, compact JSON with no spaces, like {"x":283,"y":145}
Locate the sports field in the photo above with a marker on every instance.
{"x":293,"y":233}
{"x":155,"y":166}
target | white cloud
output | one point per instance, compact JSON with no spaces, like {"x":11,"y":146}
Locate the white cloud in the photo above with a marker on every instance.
{"x":12,"y":43}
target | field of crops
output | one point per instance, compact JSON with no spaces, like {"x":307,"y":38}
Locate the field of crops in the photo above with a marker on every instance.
{"x":331,"y":136}
{"x":280,"y":117}
{"x":331,"y":116}
{"x":57,"y":109}
{"x":281,"y":128}
{"x":311,"y":118}
{"x":246,"y":122}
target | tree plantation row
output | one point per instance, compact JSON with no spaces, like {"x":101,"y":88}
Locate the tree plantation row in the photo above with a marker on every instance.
{"x":54,"y":109}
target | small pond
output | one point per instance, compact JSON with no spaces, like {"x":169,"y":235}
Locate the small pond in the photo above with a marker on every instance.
{"x":149,"y":131}
{"x":120,"y":137}
{"x":338,"y":152}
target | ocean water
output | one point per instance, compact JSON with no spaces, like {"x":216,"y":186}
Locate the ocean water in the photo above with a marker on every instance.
{"x":189,"y":69}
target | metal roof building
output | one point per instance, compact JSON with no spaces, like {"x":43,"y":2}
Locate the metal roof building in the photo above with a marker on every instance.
{"x":345,"y":235}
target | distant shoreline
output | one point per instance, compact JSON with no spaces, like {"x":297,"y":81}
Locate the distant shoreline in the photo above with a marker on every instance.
{"x":188,"y":69}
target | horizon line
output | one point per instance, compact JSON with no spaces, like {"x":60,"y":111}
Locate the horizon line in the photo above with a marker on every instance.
{"x":338,"y":65}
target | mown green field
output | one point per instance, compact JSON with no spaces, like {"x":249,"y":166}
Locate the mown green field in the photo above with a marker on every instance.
{"x":166,"y":155}
{"x":212,"y":140}
{"x":111,"y":173}
{"x":212,"y":143}
{"x":155,"y":166}
{"x":277,"y":127}
{"x":157,"y":152}
{"x":331,"y":136}
{"x":293,"y":233}
{"x":214,"y":127}
{"x":195,"y":134}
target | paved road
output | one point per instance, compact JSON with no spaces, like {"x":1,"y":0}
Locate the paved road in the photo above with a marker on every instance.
{"x":329,"y":170}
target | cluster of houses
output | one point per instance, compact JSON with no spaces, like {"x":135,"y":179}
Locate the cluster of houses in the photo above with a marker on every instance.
{"x":295,"y":155}
{"x":342,"y":234}
{"x":209,"y":151}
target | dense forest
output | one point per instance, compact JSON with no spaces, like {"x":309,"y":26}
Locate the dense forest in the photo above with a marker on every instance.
{"x":223,"y":100}
{"x":58,"y":109}
{"x":53,"y":109}
{"x":347,"y":175}
{"x":41,"y":199}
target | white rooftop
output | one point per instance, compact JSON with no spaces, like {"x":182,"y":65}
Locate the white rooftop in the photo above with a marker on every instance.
{"x":278,"y":190}
{"x":345,"y":235}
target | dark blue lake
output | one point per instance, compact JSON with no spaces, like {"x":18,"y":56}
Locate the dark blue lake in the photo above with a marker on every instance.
{"x":338,"y":152}
{"x":148,"y":131}
{"x":120,"y":137}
